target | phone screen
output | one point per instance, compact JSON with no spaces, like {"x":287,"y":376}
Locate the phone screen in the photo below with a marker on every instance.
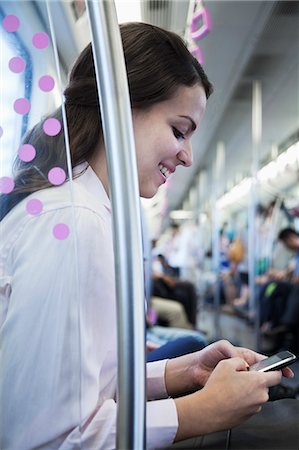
{"x":274,"y":362}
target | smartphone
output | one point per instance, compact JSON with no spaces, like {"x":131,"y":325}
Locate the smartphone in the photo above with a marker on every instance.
{"x":274,"y":362}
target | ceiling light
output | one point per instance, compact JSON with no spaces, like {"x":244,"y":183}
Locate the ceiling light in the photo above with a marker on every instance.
{"x":128,"y":11}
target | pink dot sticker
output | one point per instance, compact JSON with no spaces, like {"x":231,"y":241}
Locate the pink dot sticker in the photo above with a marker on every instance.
{"x":11,"y":23}
{"x":46,"y":83}
{"x":52,"y":126}
{"x":1,"y":132}
{"x":21,"y":106}
{"x":7,"y":185}
{"x":34,"y":207}
{"x":61,"y":231}
{"x":57,"y":176}
{"x":27,"y":152}
{"x":17,"y":64}
{"x":40,"y":40}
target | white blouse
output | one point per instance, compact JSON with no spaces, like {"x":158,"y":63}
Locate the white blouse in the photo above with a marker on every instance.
{"x":58,"y":343}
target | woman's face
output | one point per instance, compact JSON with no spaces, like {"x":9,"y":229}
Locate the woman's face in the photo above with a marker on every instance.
{"x":163,"y":136}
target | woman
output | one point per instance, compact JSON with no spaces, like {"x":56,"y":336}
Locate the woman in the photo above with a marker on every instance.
{"x":58,"y":356}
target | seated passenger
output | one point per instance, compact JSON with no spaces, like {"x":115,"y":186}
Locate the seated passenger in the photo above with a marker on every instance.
{"x":280,"y":297}
{"x":58,"y":328}
{"x":166,"y":285}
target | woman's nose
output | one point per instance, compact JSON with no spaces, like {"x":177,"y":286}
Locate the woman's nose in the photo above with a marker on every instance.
{"x":185,"y":155}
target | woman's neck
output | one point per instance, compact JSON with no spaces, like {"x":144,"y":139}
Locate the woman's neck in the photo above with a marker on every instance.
{"x":98,"y":164}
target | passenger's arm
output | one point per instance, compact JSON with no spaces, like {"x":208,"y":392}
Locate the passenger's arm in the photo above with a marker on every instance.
{"x":231,"y":395}
{"x":191,"y":372}
{"x":228,"y":393}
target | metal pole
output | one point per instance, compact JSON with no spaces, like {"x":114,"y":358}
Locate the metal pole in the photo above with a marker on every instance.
{"x":121,"y":159}
{"x":252,"y":232}
{"x":218,"y":177}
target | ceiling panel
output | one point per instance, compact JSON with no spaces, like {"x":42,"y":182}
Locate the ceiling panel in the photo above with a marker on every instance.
{"x":249,"y":41}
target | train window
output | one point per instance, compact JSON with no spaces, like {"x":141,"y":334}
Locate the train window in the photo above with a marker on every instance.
{"x":16,"y":76}
{"x":29,"y":96}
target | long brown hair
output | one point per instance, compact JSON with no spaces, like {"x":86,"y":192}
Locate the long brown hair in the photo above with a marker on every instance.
{"x":157,"y":63}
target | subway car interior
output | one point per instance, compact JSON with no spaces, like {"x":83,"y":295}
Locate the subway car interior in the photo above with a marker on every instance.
{"x":218,"y":244}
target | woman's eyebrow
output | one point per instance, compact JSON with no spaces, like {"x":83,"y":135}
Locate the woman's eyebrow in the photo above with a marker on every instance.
{"x":193,"y":125}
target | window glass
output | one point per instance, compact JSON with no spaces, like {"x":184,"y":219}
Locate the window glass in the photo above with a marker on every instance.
{"x":41,"y":282}
{"x":15,"y":90}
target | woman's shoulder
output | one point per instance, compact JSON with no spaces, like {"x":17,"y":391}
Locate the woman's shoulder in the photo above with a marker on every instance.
{"x":83,"y":198}
{"x":53,"y":204}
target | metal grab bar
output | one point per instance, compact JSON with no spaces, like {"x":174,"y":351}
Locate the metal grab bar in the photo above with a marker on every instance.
{"x":121,"y":158}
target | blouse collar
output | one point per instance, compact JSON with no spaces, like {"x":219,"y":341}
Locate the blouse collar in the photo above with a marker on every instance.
{"x":85,"y":175}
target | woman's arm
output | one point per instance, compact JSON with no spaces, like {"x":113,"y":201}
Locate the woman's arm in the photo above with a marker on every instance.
{"x":191,"y":372}
{"x":224,"y":392}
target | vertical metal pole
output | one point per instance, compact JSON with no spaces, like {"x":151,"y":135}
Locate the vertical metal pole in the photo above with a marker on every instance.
{"x":121,"y":159}
{"x":193,"y":200}
{"x":218,"y":174}
{"x":252,"y":232}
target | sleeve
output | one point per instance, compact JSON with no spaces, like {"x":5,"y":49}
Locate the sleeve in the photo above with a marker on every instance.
{"x":161,"y":423}
{"x":100,"y":434}
{"x":156,"y":380}
{"x":162,"y":420}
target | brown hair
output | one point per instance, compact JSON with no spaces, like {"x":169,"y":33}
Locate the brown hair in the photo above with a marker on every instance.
{"x":287,"y":233}
{"x":157,"y":63}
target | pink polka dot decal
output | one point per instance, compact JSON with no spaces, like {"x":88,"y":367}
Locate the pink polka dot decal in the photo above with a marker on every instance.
{"x":57,"y":176}
{"x":27,"y":152}
{"x":7,"y":185}
{"x":11,"y":23}
{"x":34,"y":206}
{"x":21,"y":106}
{"x":51,"y":126}
{"x":46,"y":83}
{"x":61,"y":231}
{"x":40,"y":40}
{"x":1,"y":132}
{"x":17,"y":64}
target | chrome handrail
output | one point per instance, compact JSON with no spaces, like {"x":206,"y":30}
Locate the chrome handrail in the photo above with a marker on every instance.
{"x":124,"y":193}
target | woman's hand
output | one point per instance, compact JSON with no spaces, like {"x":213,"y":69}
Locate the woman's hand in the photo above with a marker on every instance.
{"x":210,"y":356}
{"x":150,"y":346}
{"x":231,"y":395}
{"x":207,"y":359}
{"x":191,"y":372}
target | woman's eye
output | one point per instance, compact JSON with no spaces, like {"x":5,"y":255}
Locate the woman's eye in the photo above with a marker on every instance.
{"x":177,"y":133}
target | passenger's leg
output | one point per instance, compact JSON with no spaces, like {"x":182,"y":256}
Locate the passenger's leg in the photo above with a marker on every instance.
{"x":273,"y":302}
{"x":185,"y":293}
{"x":291,"y":313}
{"x":171,"y":312}
{"x":176,"y":347}
{"x":288,"y":329}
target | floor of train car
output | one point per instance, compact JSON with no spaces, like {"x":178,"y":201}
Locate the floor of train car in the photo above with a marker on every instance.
{"x":239,"y":332}
{"x":233,"y":328}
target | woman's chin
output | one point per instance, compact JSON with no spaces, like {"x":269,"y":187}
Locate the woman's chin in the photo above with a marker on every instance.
{"x":148,"y":192}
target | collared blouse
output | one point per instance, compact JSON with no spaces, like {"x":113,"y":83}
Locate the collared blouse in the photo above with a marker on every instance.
{"x":58,"y":341}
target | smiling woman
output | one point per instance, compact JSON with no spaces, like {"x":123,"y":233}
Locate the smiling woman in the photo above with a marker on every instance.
{"x":45,"y":233}
{"x":58,"y":327}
